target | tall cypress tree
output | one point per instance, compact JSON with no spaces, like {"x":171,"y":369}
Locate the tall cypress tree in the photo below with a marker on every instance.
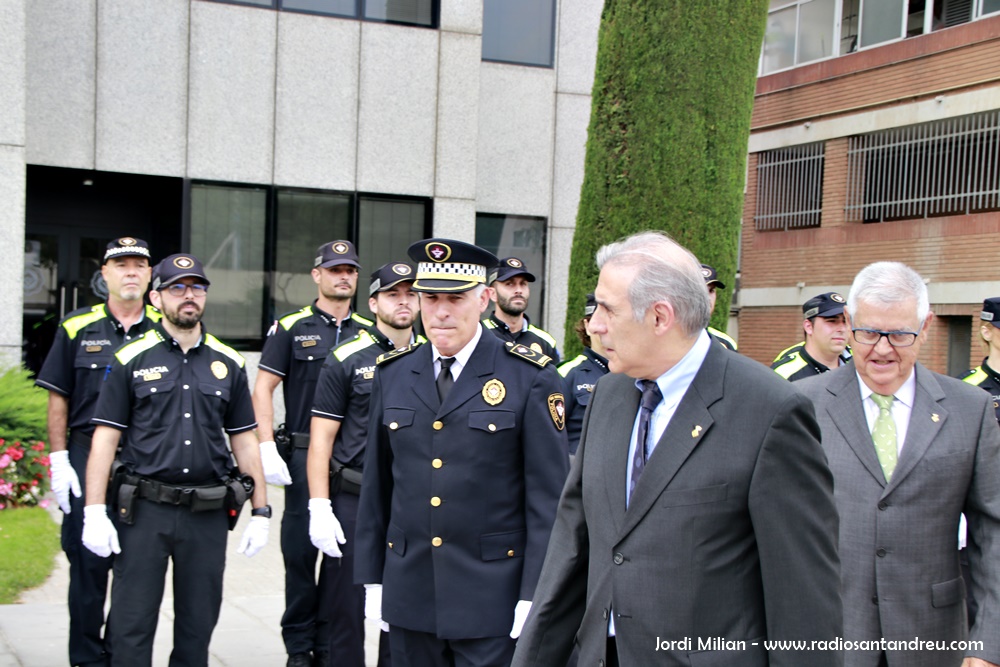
{"x":667,"y":142}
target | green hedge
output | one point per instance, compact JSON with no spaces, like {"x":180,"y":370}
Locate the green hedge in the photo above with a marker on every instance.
{"x":667,"y":143}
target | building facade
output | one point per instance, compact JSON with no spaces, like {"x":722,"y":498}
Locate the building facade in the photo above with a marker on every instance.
{"x":250,"y":132}
{"x":875,"y":136}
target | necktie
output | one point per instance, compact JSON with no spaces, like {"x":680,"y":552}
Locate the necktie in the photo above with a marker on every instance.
{"x":651,"y":397}
{"x":444,"y":379}
{"x":884,"y":435}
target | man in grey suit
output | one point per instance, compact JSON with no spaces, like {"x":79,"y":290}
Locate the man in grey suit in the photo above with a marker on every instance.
{"x":910,"y":450}
{"x":700,"y":524}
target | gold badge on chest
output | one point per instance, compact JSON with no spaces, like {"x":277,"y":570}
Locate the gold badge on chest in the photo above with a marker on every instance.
{"x":494,"y":392}
{"x":219,"y":370}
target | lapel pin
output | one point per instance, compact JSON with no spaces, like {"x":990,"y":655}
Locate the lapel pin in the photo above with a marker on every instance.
{"x":935,"y":418}
{"x":696,"y":432}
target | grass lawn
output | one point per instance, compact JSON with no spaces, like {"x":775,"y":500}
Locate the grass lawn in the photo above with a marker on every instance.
{"x":29,"y":540}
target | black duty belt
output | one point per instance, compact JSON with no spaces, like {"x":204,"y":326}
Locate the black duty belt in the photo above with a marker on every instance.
{"x":300,"y":440}
{"x":198,"y":498}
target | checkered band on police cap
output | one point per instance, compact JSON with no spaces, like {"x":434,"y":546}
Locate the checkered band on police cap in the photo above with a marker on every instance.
{"x":126,"y":246}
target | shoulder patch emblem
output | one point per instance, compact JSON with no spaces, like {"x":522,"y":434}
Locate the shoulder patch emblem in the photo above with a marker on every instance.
{"x":395,"y":354}
{"x":219,"y":370}
{"x":536,"y":347}
{"x":529,"y":354}
{"x":557,"y":410}
{"x":494,"y":392}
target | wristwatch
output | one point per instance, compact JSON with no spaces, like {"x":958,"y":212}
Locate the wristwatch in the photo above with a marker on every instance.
{"x":264,"y":511}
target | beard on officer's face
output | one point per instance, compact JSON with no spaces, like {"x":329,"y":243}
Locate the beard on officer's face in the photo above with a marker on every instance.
{"x":182,"y":316}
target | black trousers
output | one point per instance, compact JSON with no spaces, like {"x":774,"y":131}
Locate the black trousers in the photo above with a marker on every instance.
{"x":346,"y":600}
{"x":196,"y":542}
{"x":304,"y":625}
{"x":421,"y":649}
{"x":88,"y":573}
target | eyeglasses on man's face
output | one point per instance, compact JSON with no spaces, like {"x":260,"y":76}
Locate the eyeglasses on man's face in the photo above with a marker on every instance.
{"x":180,"y":290}
{"x":895,"y":338}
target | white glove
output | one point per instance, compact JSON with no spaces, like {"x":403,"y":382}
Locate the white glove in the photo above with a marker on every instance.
{"x":64,"y":479}
{"x":99,"y":534}
{"x":255,"y":536}
{"x":373,"y":605}
{"x":521,"y":610}
{"x":275,"y":468}
{"x":324,"y":528}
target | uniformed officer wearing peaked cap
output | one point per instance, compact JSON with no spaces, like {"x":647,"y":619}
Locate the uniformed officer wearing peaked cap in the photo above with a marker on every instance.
{"x":987,"y":376}
{"x":510,"y":290}
{"x":72,"y":374}
{"x":465,"y":461}
{"x":337,"y":439}
{"x":713,"y":283}
{"x":177,"y":391}
{"x":825,"y":344}
{"x":293,"y":354}
{"x":580,"y":375}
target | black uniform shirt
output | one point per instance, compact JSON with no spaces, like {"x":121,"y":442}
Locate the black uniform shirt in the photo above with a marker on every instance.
{"x":537,"y":339}
{"x":175,"y":406}
{"x":343,"y":390}
{"x":987,"y":378}
{"x":795,"y":363}
{"x":580,"y":375}
{"x":295,"y":349}
{"x":80,"y":355}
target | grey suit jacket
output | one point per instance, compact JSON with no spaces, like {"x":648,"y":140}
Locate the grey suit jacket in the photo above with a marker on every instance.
{"x":898,"y":540}
{"x":731,"y":532}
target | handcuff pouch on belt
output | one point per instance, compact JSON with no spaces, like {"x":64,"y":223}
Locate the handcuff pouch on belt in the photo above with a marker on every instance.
{"x":283,"y":443}
{"x":239,"y":488}
{"x":344,"y":479}
{"x":125,"y":487}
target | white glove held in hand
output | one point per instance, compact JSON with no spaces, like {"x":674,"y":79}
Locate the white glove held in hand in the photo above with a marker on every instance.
{"x":255,"y":536}
{"x":99,"y":534}
{"x":275,"y":469}
{"x":64,"y":479}
{"x":324,"y":528}
{"x":373,"y":605}
{"x":521,"y":610}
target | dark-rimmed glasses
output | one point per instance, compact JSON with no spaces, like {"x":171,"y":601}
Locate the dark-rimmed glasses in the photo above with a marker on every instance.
{"x":895,"y":338}
{"x":180,"y":290}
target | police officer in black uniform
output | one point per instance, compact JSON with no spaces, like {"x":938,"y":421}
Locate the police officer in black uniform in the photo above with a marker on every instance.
{"x":580,"y":374}
{"x":294,"y":352}
{"x":987,"y":376}
{"x":510,"y":291}
{"x":337,"y":438}
{"x":172,"y":393}
{"x":72,"y":373}
{"x":465,"y":461}
{"x":713,"y":283}
{"x":825,"y":346}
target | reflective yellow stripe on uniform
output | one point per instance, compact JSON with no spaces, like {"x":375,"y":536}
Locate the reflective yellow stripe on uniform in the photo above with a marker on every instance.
{"x":363,"y":321}
{"x":358,"y":343}
{"x":489,"y":324}
{"x":287,"y":321}
{"x":153,"y":314}
{"x":74,"y":325}
{"x":794,"y":365}
{"x":565,"y":368}
{"x":976,"y":376}
{"x":130,"y":351}
{"x":544,"y":335}
{"x":217,"y":345}
{"x":787,"y":351}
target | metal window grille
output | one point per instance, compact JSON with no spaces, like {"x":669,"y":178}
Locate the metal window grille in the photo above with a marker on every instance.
{"x":946,"y":167}
{"x":790,"y":187}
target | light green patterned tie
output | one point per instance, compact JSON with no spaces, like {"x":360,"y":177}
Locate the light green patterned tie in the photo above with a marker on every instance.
{"x":884,"y":435}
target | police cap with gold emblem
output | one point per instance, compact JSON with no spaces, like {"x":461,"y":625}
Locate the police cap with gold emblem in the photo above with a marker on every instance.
{"x":591,"y":306}
{"x":711,"y":276}
{"x":126,"y":246}
{"x":389,"y":275}
{"x":991,"y":311}
{"x":829,"y":304}
{"x":510,"y":267}
{"x":173,"y":268}
{"x":444,"y":265}
{"x":336,"y":253}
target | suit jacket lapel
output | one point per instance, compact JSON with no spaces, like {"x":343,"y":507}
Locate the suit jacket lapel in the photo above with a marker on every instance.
{"x":469,"y":383}
{"x":848,"y":414}
{"x":423,"y":377}
{"x":620,"y":401}
{"x":686,"y":430}
{"x":926,"y":419}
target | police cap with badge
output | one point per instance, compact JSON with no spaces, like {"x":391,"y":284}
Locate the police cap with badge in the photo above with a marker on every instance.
{"x":591,"y":305}
{"x":991,"y":311}
{"x":173,"y":268}
{"x":829,"y":304}
{"x":389,"y":275}
{"x":336,"y":253}
{"x":126,"y":246}
{"x":711,"y":276}
{"x":510,"y":267}
{"x":444,"y":265}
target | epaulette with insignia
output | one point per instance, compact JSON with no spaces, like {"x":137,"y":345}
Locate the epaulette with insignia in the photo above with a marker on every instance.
{"x":526,"y":353}
{"x":395,"y":354}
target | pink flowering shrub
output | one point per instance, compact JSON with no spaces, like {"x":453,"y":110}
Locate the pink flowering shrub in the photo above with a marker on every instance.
{"x":24,"y":474}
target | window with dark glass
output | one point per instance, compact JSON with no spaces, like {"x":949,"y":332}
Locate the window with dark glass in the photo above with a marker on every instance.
{"x":519,"y":31}
{"x":518,"y":236}
{"x":790,"y":187}
{"x":347,"y":8}
{"x":407,"y":12}
{"x":386,"y":228}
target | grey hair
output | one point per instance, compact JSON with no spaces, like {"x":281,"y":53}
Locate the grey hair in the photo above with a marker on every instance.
{"x":665,"y":271}
{"x":888,"y":283}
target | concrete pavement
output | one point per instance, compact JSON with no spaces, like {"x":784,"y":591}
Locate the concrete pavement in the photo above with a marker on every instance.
{"x":33,"y":632}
